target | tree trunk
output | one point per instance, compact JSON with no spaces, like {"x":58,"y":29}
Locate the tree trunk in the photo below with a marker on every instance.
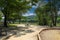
{"x":45,"y":21}
{"x":55,"y":19}
{"x":5,"y":21}
{"x":19,"y":21}
{"x":13,"y":21}
{"x":39,"y":21}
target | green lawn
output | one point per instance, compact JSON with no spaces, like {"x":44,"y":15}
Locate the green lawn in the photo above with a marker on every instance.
{"x":58,"y":24}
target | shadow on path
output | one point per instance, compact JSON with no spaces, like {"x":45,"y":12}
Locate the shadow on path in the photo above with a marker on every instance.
{"x":19,"y":31}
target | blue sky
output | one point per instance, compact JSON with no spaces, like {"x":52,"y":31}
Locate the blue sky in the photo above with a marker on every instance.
{"x":31,"y":11}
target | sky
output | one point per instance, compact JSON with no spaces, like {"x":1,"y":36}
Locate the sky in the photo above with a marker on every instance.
{"x":31,"y":11}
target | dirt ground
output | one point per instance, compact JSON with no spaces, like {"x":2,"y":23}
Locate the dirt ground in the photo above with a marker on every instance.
{"x":50,"y":35}
{"x":30,"y":33}
{"x":27,"y":34}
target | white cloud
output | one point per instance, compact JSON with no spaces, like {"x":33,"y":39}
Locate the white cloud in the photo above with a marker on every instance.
{"x":28,"y":14}
{"x":58,"y":12}
{"x":34,"y":6}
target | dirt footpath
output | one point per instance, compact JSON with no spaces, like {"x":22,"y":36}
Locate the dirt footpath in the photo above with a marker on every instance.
{"x":31,"y":34}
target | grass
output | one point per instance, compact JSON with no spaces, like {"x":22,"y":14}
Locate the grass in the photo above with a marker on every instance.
{"x":15,"y":25}
{"x":58,"y":24}
{"x":12,"y":25}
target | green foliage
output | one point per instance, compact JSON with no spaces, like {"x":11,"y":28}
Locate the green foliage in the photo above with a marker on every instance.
{"x":8,"y":7}
{"x":42,"y":16}
{"x":0,"y":18}
{"x":1,"y":15}
{"x":12,"y":8}
{"x":48,"y":13}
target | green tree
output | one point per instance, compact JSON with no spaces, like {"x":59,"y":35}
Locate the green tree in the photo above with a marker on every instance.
{"x":42,"y":15}
{"x":48,"y":9}
{"x":52,"y":8}
{"x":12,"y":6}
{"x":1,"y":15}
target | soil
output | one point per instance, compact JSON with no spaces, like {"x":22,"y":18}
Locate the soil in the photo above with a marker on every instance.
{"x":30,"y":33}
{"x":50,"y":35}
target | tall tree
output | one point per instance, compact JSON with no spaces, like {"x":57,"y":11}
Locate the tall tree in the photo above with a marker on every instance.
{"x":42,"y":15}
{"x":10,"y":6}
{"x":53,"y":10}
